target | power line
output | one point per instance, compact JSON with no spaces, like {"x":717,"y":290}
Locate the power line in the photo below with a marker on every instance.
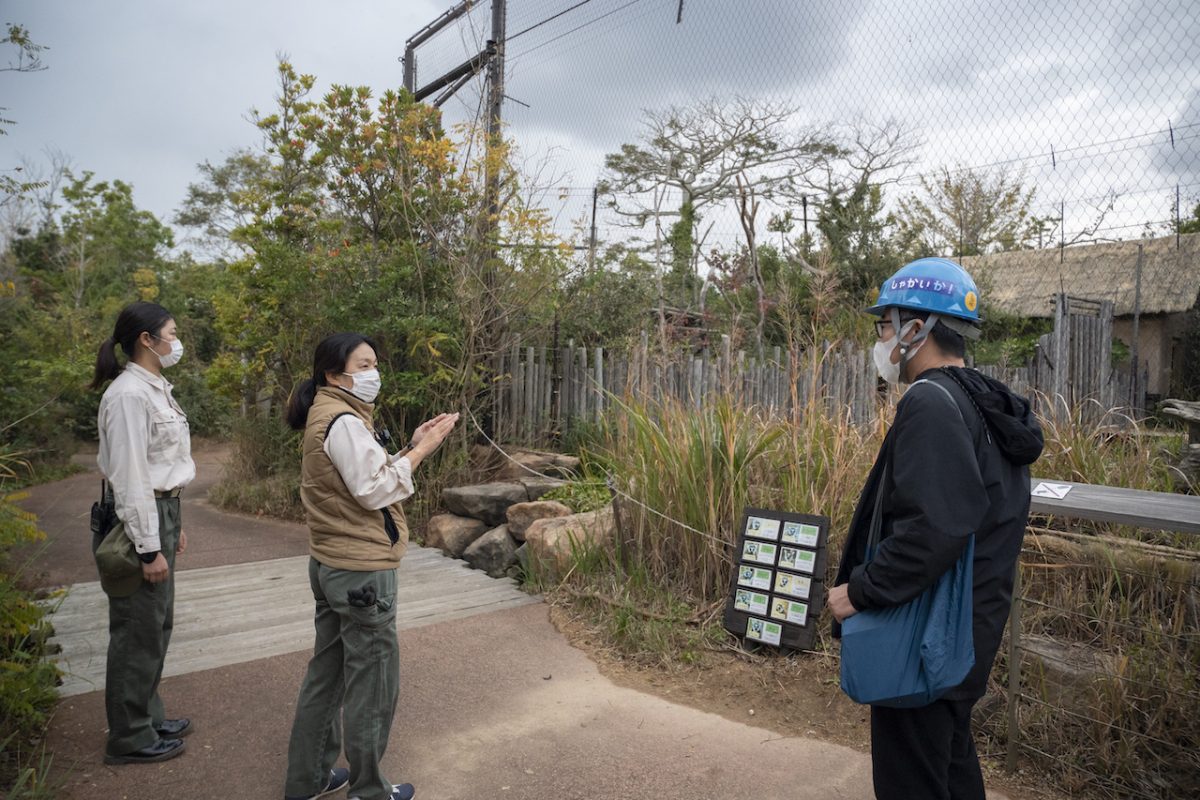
{"x":576,"y":28}
{"x":548,"y":19}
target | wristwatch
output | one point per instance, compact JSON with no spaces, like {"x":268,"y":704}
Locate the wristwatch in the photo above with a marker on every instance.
{"x":148,"y":558}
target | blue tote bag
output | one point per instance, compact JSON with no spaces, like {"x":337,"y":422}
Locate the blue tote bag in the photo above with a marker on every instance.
{"x":909,"y":655}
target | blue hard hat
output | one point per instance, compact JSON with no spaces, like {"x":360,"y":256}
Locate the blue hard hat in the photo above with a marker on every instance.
{"x":935,"y":285}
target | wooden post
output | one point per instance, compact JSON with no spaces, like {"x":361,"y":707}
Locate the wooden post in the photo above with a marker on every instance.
{"x":1014,"y":672}
{"x":598,"y":364}
{"x":1062,"y":357}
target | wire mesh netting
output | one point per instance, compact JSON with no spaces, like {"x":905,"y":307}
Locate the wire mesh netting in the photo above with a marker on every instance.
{"x":1084,"y":117}
{"x":1095,"y":107}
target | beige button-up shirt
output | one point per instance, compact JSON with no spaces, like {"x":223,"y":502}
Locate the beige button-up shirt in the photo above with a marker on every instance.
{"x":374,"y":478}
{"x":145,"y":446}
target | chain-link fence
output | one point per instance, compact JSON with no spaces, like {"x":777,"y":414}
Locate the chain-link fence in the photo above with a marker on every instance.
{"x":1089,"y":111}
{"x":884,"y":130}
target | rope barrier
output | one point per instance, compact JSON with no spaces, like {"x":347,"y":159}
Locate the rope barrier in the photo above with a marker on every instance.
{"x":610,"y":482}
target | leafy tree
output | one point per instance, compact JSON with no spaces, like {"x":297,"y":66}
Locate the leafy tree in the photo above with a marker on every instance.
{"x":610,"y":302}
{"x":224,"y":200}
{"x":362,"y":219}
{"x":696,"y":154}
{"x":966,"y":212}
{"x":28,"y":59}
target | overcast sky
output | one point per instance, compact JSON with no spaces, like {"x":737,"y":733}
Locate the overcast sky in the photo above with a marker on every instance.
{"x":143,"y":90}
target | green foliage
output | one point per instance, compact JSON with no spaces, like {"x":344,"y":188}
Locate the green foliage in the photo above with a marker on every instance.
{"x":610,"y":303}
{"x":581,"y":496}
{"x":27,"y":680}
{"x":69,"y":279}
{"x":858,"y":236}
{"x":1190,"y":224}
{"x":262,"y":475}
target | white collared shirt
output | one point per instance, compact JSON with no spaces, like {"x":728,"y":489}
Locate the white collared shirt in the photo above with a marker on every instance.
{"x":374,"y":478}
{"x":145,"y":446}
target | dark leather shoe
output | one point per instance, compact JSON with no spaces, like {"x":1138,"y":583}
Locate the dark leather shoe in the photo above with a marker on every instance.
{"x":174,"y":728}
{"x":159,"y":751}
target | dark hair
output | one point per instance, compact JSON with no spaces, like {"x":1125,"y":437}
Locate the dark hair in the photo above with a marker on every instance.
{"x":949,"y":341}
{"x":131,"y":322}
{"x":331,"y":355}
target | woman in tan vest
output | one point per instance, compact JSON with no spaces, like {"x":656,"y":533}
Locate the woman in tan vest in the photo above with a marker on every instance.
{"x":351,"y":488}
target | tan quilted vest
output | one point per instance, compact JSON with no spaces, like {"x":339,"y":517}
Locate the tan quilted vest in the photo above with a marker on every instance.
{"x":343,"y":534}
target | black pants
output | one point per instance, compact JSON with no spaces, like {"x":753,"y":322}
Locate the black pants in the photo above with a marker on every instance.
{"x":925,"y":753}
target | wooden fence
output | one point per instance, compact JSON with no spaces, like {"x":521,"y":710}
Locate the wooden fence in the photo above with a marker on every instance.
{"x":539,"y":392}
{"x":1081,"y":344}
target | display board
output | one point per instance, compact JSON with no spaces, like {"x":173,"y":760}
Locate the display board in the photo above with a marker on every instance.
{"x":778,"y":585}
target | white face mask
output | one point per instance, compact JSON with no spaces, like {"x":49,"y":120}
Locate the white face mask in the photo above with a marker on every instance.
{"x":882,"y":354}
{"x":883,"y":361}
{"x":171,"y":358}
{"x":365,"y":385}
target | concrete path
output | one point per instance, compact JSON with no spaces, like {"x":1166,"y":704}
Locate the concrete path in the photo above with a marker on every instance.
{"x":493,"y":705}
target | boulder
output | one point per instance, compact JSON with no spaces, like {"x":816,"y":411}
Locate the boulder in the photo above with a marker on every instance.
{"x":494,"y":552}
{"x":536,"y":487}
{"x":551,"y":541}
{"x":485,"y":501}
{"x":452,"y":534}
{"x":523,"y":461}
{"x":522,"y":515}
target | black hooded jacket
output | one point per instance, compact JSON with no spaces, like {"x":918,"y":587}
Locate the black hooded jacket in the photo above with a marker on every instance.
{"x":950,"y":476}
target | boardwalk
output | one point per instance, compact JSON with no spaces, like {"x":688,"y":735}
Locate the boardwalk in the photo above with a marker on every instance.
{"x":232,"y":614}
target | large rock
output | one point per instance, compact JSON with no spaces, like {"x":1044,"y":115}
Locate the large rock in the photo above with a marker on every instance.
{"x":522,"y":515}
{"x":494,"y":552}
{"x":523,"y":461}
{"x":552,"y":541}
{"x":536,"y":487}
{"x":453,"y":534}
{"x":485,"y":501}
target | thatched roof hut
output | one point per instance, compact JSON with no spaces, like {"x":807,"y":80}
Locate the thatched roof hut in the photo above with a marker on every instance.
{"x":1024,"y":282}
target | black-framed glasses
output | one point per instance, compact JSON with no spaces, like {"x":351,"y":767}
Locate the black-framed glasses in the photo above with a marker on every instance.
{"x":881,"y":325}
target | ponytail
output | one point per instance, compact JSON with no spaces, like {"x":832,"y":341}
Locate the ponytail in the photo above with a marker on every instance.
{"x":107,"y":367}
{"x":134,"y":320}
{"x":300,"y":402}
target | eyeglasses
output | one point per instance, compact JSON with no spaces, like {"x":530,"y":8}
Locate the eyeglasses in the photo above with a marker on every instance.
{"x":882,"y":325}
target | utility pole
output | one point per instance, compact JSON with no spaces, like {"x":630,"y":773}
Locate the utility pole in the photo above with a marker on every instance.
{"x":495,"y":139}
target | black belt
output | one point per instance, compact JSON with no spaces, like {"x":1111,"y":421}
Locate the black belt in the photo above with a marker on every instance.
{"x":178,"y":490}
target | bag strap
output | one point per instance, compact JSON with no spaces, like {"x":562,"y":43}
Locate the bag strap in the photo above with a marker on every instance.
{"x":877,"y":514}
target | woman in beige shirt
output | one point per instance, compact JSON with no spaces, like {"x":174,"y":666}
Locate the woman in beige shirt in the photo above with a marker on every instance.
{"x":146,"y":457}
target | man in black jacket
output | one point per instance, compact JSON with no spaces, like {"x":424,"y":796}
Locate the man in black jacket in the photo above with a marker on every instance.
{"x":959,"y":453}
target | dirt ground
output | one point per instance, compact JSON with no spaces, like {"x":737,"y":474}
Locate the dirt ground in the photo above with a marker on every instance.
{"x":806,"y":698}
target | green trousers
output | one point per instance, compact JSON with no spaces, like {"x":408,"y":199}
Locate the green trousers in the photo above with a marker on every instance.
{"x":139,"y":630}
{"x":351,"y":685}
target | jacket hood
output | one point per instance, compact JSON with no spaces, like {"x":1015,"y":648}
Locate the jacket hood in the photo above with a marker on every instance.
{"x":1009,"y":416}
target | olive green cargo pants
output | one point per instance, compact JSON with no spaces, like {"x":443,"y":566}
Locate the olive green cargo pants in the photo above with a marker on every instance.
{"x":139,"y":630}
{"x":352,"y":683}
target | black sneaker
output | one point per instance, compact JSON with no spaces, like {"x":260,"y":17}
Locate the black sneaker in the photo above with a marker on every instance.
{"x":338,"y":778}
{"x":161,"y":750}
{"x":174,"y":728}
{"x":401,"y":791}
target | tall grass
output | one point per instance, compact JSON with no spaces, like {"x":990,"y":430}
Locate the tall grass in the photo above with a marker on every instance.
{"x":1115,"y":591}
{"x":702,"y":466}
